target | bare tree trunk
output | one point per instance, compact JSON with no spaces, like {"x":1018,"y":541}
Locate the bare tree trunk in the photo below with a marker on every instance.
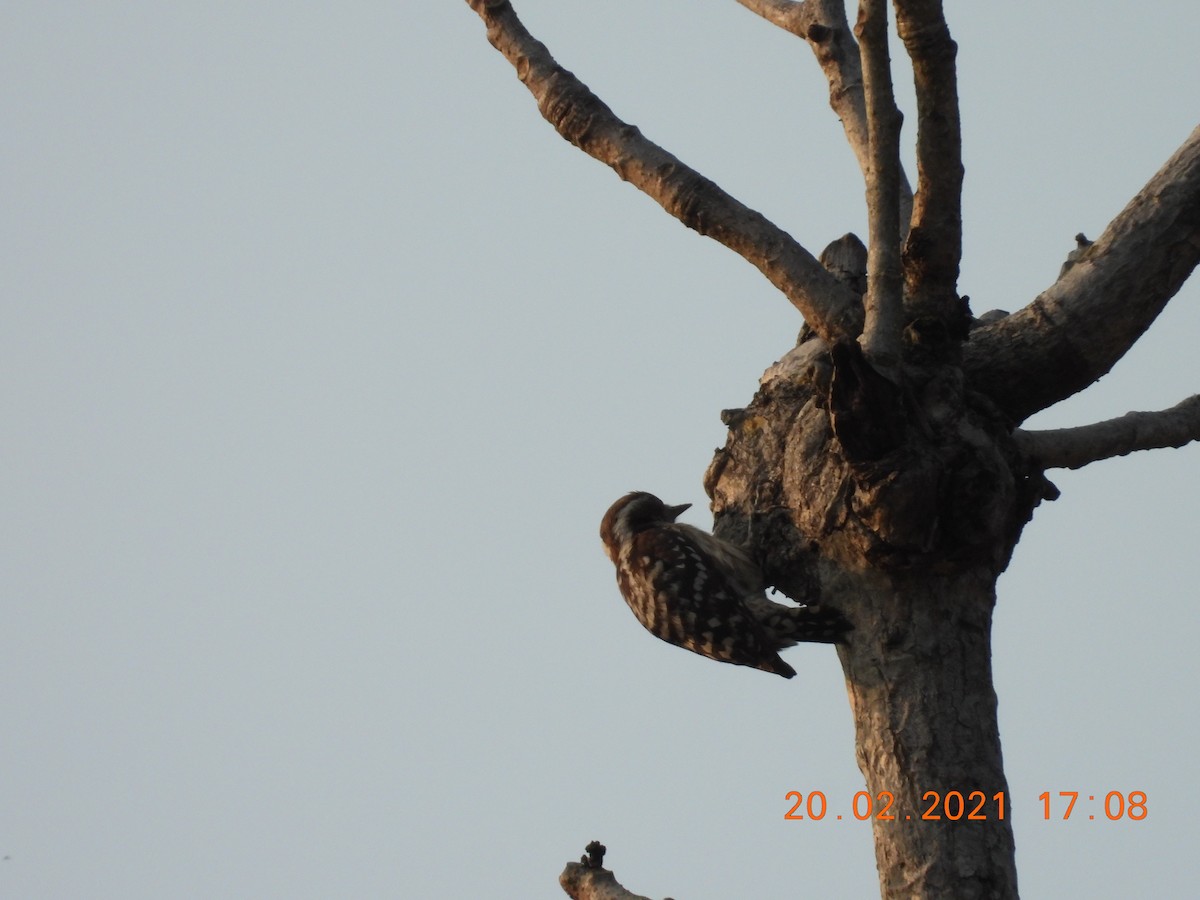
{"x":919,"y":677}
{"x":900,"y":507}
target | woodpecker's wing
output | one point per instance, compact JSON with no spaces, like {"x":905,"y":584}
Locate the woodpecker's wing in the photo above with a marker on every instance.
{"x":681,"y":594}
{"x":742,"y":572}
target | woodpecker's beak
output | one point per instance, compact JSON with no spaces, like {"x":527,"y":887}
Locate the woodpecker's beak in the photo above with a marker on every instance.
{"x":674,"y":511}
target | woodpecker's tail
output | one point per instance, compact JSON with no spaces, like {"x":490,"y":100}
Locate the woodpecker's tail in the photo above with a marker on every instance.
{"x":813,"y":624}
{"x":777,"y":666}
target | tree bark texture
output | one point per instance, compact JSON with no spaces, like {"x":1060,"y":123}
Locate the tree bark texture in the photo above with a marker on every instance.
{"x":583,"y":882}
{"x":899,"y":506}
{"x":934,"y":247}
{"x":918,"y":674}
{"x":883,"y":317}
{"x":1076,"y":330}
{"x":1074,"y":448}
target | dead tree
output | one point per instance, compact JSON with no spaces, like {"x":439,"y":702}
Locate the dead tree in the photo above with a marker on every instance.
{"x":881,"y":468}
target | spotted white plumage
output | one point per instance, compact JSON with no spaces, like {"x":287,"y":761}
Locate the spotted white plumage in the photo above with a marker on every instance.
{"x":701,"y":593}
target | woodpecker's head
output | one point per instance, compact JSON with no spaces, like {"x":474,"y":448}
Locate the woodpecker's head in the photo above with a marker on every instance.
{"x":634,"y":513}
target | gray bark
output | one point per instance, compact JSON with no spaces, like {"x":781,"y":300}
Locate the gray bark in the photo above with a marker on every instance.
{"x":934,"y":247}
{"x":583,"y":882}
{"x":1076,"y":330}
{"x":903,"y":522}
{"x":1073,"y":448}
{"x":823,"y":24}
{"x":920,"y":682}
{"x":884,"y":302}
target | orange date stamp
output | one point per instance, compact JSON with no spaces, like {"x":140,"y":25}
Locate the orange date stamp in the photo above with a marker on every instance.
{"x":956,"y":806}
{"x":952,"y":806}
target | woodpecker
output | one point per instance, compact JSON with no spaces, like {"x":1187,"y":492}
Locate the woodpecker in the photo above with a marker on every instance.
{"x":704,"y":594}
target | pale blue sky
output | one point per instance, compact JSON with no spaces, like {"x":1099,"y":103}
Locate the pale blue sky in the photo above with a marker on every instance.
{"x":323,"y":356}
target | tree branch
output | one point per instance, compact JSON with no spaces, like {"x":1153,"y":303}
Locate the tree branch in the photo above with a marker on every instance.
{"x":823,"y":24}
{"x":584,"y":120}
{"x":934,"y":247}
{"x":581,"y":882}
{"x":884,"y":303}
{"x":1074,"y":448}
{"x":1077,"y":329}
{"x":787,"y":14}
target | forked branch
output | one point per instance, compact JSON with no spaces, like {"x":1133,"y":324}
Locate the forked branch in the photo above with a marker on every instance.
{"x":884,"y":304}
{"x":831,"y":308}
{"x":934,"y":249}
{"x":823,"y":24}
{"x":1074,"y":448}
